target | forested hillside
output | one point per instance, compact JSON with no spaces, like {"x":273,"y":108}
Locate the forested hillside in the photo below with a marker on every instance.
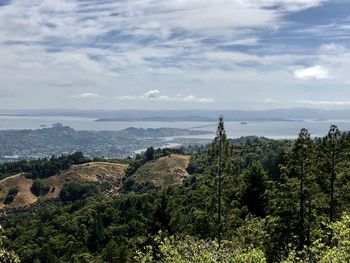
{"x":246,"y":200}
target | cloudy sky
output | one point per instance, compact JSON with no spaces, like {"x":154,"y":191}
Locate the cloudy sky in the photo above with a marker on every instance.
{"x":207,"y":54}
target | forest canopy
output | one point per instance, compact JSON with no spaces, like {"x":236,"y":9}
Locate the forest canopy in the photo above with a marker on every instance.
{"x":247,"y":200}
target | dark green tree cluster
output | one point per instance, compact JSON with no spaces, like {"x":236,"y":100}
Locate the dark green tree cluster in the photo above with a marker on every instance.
{"x":42,"y":168}
{"x":38,"y":188}
{"x":10,"y":196}
{"x":73,"y":191}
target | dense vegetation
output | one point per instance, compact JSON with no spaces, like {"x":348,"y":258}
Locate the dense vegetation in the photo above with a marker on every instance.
{"x":248,"y":200}
{"x":42,"y":168}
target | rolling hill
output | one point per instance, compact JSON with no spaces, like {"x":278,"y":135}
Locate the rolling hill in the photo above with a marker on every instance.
{"x":165,"y":171}
{"x":98,"y":172}
{"x":162,"y":172}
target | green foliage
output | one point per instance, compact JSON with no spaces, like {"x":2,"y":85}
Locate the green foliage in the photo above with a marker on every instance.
{"x":73,"y":191}
{"x":10,"y":196}
{"x":38,"y":188}
{"x":113,"y":253}
{"x":42,"y":168}
{"x":110,"y":252}
{"x":254,"y":193}
{"x":321,"y":251}
{"x":222,"y":153}
{"x":46,"y":255}
{"x":149,"y":154}
{"x":6,"y":256}
{"x":130,"y":185}
{"x":187,"y":250}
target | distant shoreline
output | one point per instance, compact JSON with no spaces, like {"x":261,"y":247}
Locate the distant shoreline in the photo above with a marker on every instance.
{"x":193,"y":119}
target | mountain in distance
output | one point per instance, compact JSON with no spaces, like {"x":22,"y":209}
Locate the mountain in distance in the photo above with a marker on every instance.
{"x":296,"y":114}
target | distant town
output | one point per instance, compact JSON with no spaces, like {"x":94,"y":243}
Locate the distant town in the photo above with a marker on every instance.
{"x":60,"y":139}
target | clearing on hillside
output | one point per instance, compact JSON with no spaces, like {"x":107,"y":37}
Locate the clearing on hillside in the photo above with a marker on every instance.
{"x":165,"y":171}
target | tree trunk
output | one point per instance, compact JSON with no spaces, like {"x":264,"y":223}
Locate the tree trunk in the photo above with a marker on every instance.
{"x":219,"y":192}
{"x":302,"y":231}
{"x":332,"y":204}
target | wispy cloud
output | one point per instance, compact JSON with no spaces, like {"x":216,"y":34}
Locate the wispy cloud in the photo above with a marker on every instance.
{"x":129,"y":32}
{"x":308,"y":102}
{"x":332,"y":48}
{"x":335,"y":30}
{"x":324,"y":102}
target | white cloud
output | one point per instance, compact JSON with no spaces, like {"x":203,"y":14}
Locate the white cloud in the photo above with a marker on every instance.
{"x":192,"y":98}
{"x":316,"y":72}
{"x":85,"y":95}
{"x":155,"y":95}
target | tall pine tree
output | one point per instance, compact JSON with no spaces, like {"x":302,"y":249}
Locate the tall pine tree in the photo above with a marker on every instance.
{"x":221,"y":151}
{"x":301,"y":167}
{"x":332,"y":152}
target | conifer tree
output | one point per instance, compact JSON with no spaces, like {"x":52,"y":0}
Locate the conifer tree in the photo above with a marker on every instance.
{"x":255,"y":187}
{"x":332,"y":151}
{"x":301,"y":168}
{"x":221,"y":150}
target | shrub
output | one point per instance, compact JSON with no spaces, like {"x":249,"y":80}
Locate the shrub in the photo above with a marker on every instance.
{"x":39,"y":189}
{"x":188,"y":249}
{"x":11,"y":196}
{"x":73,"y":191}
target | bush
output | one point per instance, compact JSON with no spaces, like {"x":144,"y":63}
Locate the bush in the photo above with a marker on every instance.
{"x":73,"y":191}
{"x":39,"y":189}
{"x":5,"y":255}
{"x":188,"y":249}
{"x":11,"y":196}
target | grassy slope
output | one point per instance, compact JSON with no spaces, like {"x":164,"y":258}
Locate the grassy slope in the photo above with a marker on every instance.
{"x":90,"y":172}
{"x":165,"y":171}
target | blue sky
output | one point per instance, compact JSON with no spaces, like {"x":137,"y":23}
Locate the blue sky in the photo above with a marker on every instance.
{"x":203,"y":54}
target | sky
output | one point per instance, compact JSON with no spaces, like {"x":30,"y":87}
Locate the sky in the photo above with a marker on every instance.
{"x":174,"y":54}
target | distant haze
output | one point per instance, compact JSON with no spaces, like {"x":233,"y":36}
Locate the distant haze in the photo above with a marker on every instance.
{"x":295,"y":114}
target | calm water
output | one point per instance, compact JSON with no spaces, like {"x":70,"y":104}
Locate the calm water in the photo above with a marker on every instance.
{"x":233,"y":129}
